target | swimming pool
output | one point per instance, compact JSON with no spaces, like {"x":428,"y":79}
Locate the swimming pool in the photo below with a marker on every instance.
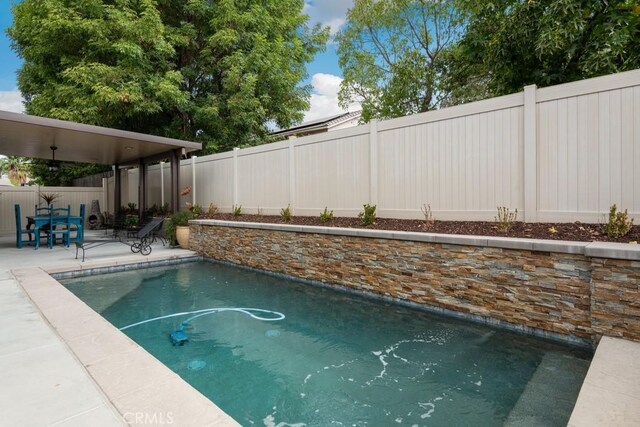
{"x":335,"y":358}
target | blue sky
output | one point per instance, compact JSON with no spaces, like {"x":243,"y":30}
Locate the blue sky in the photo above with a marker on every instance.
{"x":324,"y":72}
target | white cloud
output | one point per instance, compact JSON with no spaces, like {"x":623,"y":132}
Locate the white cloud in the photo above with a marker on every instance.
{"x":328,"y":12}
{"x":11,"y":101}
{"x":324,"y":97}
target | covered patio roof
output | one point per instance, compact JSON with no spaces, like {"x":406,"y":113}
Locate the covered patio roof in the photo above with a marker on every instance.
{"x":32,"y":136}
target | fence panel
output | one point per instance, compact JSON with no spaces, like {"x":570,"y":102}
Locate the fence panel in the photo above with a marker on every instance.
{"x":334,"y":173}
{"x":582,"y":142}
{"x":263,"y":180}
{"x":28,"y":197}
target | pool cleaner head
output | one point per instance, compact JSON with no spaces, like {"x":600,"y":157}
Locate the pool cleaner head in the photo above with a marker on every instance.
{"x":179,"y":337}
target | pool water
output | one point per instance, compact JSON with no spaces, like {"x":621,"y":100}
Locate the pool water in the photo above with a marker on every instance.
{"x":336,"y":358}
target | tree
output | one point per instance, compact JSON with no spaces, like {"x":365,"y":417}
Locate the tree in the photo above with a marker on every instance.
{"x":212,"y":72}
{"x":509,"y":44}
{"x":391,"y":53}
{"x":242,"y":63}
{"x":16,"y":168}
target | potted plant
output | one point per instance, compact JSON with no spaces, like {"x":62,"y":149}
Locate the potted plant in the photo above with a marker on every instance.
{"x":178,"y":228}
{"x":49,"y":197}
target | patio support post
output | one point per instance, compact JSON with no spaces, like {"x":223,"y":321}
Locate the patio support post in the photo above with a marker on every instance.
{"x":117,"y":190}
{"x":142,"y":188}
{"x":175,"y":181}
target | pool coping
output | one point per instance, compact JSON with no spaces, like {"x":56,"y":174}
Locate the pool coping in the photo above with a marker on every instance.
{"x":624,"y":251}
{"x":134,"y":382}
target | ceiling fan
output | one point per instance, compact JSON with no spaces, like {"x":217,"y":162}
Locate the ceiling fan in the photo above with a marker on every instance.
{"x":52,"y":165}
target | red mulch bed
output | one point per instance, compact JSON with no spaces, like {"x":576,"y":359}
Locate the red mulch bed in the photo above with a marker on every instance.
{"x":563,"y":231}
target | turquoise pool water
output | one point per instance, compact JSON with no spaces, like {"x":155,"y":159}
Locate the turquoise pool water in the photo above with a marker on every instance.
{"x":336,"y":358}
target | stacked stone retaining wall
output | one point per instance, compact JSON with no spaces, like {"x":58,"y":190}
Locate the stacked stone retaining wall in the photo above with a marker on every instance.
{"x":548,"y":287}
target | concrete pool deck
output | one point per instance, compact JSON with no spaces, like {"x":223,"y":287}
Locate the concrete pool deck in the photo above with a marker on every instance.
{"x":65,"y":365}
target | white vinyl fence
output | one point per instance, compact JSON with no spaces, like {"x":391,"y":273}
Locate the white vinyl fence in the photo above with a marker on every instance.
{"x":28,"y":197}
{"x":562,"y":153}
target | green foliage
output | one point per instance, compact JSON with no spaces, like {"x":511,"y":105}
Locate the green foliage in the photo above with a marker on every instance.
{"x":236,"y":210}
{"x":156,"y":210}
{"x":326,"y":215}
{"x":506,"y":218}
{"x":38,"y":170}
{"x":49,"y":198}
{"x":619,"y":223}
{"x":131,"y":221}
{"x":368,"y":215}
{"x":285,"y":214}
{"x":213,"y":209}
{"x":17,"y":169}
{"x":178,"y":219}
{"x":196,"y":209}
{"x":212,"y":72}
{"x":511,"y":43}
{"x":390,"y":52}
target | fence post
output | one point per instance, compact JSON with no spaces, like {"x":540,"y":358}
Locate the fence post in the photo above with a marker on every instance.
{"x":373,"y":162}
{"x":292,"y":173}
{"x":235,"y":176}
{"x":530,"y":155}
{"x":193,"y":179}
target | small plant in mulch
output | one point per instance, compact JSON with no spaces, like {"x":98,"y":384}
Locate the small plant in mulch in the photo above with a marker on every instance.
{"x":428,"y":215}
{"x":213,"y":209}
{"x":368,"y":215}
{"x":285,"y":214}
{"x":236,"y":210}
{"x":619,"y":223}
{"x":505,"y":218}
{"x":326,"y":215}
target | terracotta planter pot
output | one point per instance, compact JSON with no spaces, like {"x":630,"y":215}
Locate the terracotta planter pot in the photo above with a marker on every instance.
{"x":182,"y":236}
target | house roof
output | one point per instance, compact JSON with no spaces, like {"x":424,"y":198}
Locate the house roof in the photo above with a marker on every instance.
{"x":319,"y":124}
{"x":32,"y":136}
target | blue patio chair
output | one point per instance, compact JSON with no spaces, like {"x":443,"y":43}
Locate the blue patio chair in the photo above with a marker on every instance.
{"x":21,"y":231}
{"x":42,"y":211}
{"x":78,"y":228}
{"x":59,"y":224}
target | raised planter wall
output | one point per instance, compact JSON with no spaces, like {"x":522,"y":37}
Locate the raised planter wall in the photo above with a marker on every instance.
{"x":567,"y":290}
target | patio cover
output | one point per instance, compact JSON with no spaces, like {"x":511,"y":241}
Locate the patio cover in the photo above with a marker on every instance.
{"x":32,"y":136}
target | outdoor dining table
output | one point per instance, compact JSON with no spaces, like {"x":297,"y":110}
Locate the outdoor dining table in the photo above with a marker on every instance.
{"x":37,"y":221}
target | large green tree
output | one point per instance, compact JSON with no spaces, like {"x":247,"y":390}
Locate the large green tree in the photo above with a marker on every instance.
{"x":391,"y":53}
{"x":512,"y":43}
{"x":214,"y":72}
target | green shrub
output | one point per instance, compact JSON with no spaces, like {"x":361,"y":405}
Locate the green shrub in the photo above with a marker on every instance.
{"x":619,"y":223}
{"x":285,"y":214}
{"x":236,"y":210}
{"x":131,"y":221}
{"x":505,"y":218}
{"x":181,"y":218}
{"x":368,"y":215}
{"x":326,"y":215}
{"x":196,"y":209}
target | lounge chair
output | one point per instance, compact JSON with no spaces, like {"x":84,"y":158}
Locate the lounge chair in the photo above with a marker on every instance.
{"x":141,"y":242}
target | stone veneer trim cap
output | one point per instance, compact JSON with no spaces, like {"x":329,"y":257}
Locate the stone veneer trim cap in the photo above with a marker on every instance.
{"x":592,"y":249}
